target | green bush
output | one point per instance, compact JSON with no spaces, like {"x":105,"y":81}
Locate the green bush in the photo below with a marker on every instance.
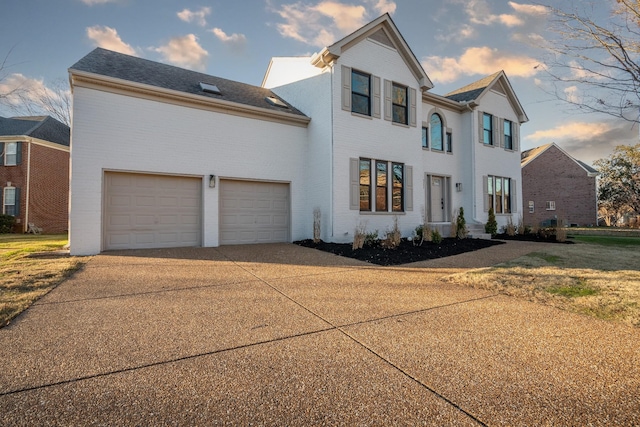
{"x":491,"y":227}
{"x":461,"y":225}
{"x":436,"y":237}
{"x":371,"y":239}
{"x":6,"y":223}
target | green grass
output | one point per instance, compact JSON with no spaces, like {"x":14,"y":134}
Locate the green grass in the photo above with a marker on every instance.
{"x":579,"y":289}
{"x":608,"y":240}
{"x":24,"y":279}
{"x":551,"y":259}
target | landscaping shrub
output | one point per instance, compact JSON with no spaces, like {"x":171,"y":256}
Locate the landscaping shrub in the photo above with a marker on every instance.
{"x":461,"y":225}
{"x":491,"y":227}
{"x":6,"y":223}
{"x":436,"y":237}
{"x":393,"y":237}
{"x":371,"y":239}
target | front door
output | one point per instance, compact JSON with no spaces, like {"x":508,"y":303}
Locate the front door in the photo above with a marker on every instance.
{"x":436,"y":199}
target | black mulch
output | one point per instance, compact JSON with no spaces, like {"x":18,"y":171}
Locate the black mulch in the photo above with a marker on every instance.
{"x":405,"y":253}
{"x":533,"y":238}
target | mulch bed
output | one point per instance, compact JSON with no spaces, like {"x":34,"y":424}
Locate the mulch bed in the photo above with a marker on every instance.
{"x":405,"y":253}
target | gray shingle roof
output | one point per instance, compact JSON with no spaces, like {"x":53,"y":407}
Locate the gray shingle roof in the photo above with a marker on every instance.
{"x":472,"y":91}
{"x":130,"y":68}
{"x":41,"y":127}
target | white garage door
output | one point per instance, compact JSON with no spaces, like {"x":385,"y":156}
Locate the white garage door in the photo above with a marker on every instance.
{"x":253,"y":212}
{"x":151,"y":211}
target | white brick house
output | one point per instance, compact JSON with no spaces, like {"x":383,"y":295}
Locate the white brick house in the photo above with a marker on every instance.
{"x":168,"y":157}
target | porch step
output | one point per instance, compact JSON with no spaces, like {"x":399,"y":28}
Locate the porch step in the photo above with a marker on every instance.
{"x":476,"y":231}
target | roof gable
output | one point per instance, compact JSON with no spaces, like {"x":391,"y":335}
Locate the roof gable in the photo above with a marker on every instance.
{"x":382,"y":30}
{"x":526,"y":157}
{"x":497,"y":82}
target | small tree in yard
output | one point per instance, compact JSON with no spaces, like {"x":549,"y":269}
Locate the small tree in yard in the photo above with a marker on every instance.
{"x":491,"y":227}
{"x":461,"y":225}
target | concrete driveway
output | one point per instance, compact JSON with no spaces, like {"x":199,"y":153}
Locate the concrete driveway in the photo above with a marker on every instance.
{"x":284,"y":335}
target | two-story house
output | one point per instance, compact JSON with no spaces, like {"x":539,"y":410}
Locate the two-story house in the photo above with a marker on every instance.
{"x":34,"y":172}
{"x":169,"y":157}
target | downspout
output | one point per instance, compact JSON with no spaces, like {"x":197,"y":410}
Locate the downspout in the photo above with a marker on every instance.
{"x":26,"y":208}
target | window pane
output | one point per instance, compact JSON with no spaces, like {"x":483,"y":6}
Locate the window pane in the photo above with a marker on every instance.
{"x":381,"y":186}
{"x":11,"y":149}
{"x":397,"y":195}
{"x":10,"y":201}
{"x":507,"y":135}
{"x":365,"y":185}
{"x":360,"y":104}
{"x":400,"y":114}
{"x":399,"y":95}
{"x":499,"y":195}
{"x":360,"y":83}
{"x":449,"y":143}
{"x":507,"y":199}
{"x":436,"y":132}
{"x":425,"y":141}
{"x":487,"y":123}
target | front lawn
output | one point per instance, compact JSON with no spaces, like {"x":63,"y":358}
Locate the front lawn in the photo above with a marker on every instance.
{"x":30,"y":266}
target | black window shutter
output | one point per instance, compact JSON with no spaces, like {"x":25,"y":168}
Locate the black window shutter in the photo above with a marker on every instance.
{"x":17,"y":202}
{"x":1,"y":153}
{"x":18,"y":153}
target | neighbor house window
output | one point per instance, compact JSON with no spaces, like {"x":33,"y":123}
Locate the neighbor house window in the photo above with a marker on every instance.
{"x":381,"y":186}
{"x":425,"y":138}
{"x":11,"y":154}
{"x":360,"y":93}
{"x":399,"y":104}
{"x":551,"y":206}
{"x":436,"y":132}
{"x":531,"y":206}
{"x":10,"y":205}
{"x":449,"y":143}
{"x":487,"y":125}
{"x":385,"y":179}
{"x":499,"y":194}
{"x":365,"y":184}
{"x":508,"y":139}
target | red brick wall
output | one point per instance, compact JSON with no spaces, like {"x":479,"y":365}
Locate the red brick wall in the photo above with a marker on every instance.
{"x":49,"y":188}
{"x":553,"y":176}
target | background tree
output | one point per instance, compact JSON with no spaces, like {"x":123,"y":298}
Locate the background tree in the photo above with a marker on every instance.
{"x":619,"y":183}
{"x":595,"y":65}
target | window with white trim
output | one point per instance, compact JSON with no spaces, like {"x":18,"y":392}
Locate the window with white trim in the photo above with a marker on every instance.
{"x":449,"y":142}
{"x":360,"y":93}
{"x":10,"y":205}
{"x":508,"y":134}
{"x":551,"y":205}
{"x":437,"y":132}
{"x":399,"y":104}
{"x":425,"y":137}
{"x":487,"y":128}
{"x":10,"y":153}
{"x":531,"y":206}
{"x":384,"y":179}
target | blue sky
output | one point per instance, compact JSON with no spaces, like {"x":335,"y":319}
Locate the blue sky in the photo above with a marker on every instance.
{"x":457,"y":41}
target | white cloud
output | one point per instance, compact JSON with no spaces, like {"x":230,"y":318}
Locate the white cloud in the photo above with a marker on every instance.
{"x":573,"y":130}
{"x":28,"y":96}
{"x":479,"y":12}
{"x":108,"y":38}
{"x":572,"y":94}
{"x":198,"y":17}
{"x":458,"y":33}
{"x":185,"y":52}
{"x":233,"y":39}
{"x":529,"y":9}
{"x":322,"y":23}
{"x":478,"y":61}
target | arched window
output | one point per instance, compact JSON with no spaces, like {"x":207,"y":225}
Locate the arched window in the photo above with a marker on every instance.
{"x":435,"y":126}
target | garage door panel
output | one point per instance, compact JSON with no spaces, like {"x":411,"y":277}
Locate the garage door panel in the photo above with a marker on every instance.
{"x":253,"y":212}
{"x":149,"y":211}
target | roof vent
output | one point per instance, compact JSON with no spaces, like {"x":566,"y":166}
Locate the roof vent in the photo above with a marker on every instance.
{"x":275,"y":101}
{"x":206,"y":87}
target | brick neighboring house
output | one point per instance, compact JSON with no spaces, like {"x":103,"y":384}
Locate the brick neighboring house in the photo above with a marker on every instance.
{"x":34,"y":172}
{"x":556,"y":186}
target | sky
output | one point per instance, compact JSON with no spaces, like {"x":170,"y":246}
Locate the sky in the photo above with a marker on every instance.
{"x":457,"y":42}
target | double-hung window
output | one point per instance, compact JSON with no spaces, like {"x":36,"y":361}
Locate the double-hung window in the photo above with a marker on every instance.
{"x":381,"y":180}
{"x":508,"y":138}
{"x":449,"y":143}
{"x":11,"y":154}
{"x":425,"y":137}
{"x":360,"y":93}
{"x":435,"y":124}
{"x":399,"y":104}
{"x":487,"y":128}
{"x":9,"y":204}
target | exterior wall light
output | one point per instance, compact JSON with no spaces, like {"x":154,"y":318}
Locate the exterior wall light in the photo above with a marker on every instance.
{"x":212,"y":181}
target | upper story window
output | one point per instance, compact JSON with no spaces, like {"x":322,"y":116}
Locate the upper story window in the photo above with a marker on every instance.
{"x":425,"y":137}
{"x":399,"y":104}
{"x":436,"y":132}
{"x":487,"y":126}
{"x":551,"y":205}
{"x":508,"y":139}
{"x":360,"y":93}
{"x":449,"y":143}
{"x":11,"y":153}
